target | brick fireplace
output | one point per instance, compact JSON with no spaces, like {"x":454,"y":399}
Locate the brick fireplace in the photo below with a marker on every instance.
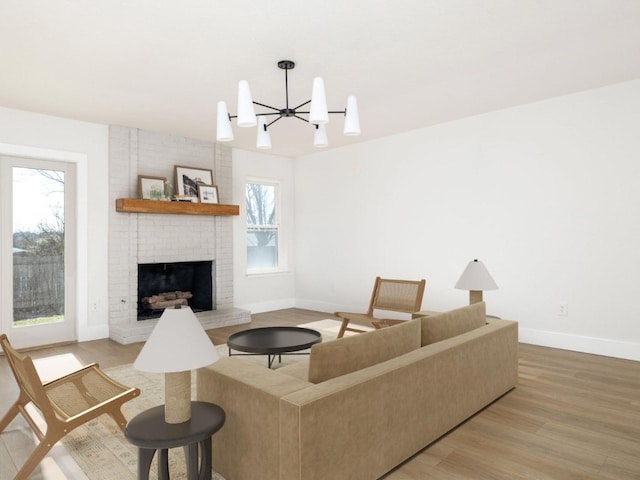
{"x":136,"y":238}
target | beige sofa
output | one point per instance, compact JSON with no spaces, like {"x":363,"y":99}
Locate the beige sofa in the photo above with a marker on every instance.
{"x":360,"y":405}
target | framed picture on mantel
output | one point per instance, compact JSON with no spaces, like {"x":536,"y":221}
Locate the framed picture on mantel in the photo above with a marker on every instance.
{"x":208,"y":194}
{"x":189,"y":178}
{"x":151,"y":188}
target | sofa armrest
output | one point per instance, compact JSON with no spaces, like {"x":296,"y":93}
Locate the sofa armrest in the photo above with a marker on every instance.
{"x":248,"y":445}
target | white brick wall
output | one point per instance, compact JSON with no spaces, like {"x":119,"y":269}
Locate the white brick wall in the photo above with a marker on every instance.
{"x":152,"y":238}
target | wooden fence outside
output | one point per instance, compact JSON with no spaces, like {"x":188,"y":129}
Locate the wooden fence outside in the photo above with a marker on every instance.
{"x":38,"y":286}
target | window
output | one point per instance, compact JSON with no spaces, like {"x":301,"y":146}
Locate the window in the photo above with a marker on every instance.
{"x":262,"y":204}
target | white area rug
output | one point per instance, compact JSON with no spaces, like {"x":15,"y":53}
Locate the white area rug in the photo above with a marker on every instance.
{"x":56,"y":366}
{"x":329,"y":328}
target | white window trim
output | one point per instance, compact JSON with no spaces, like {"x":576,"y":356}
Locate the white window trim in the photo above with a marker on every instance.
{"x":75,"y":263}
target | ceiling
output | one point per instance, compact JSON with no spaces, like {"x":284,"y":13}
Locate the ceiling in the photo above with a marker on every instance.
{"x":163,"y":65}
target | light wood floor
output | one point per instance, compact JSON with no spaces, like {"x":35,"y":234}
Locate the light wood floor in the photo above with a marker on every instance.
{"x":571,"y":416}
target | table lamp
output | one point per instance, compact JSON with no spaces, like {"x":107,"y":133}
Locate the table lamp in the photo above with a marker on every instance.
{"x":177,"y":345}
{"x":476,"y":278}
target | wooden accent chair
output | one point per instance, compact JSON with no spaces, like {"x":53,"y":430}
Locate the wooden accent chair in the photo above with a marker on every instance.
{"x":64,"y":404}
{"x":391,"y":295}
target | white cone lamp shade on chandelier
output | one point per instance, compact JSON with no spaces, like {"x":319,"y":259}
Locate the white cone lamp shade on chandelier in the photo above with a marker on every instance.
{"x":318,"y":112}
{"x":264,"y":139}
{"x":317,"y":115}
{"x":320,"y":139}
{"x":225,"y":133}
{"x":246,"y":113}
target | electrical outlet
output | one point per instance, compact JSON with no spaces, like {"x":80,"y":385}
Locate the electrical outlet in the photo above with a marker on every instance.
{"x":563,"y":309}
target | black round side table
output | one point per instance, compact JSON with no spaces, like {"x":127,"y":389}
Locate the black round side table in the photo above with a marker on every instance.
{"x":149,"y":432}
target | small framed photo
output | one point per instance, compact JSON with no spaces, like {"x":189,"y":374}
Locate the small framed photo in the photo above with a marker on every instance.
{"x":208,"y":194}
{"x":189,"y":178}
{"x":151,"y":188}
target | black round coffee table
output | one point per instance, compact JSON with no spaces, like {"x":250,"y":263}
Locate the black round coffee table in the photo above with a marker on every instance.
{"x":272,"y":341}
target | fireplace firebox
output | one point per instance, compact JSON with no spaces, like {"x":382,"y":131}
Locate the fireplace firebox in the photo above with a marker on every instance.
{"x":165,"y":285}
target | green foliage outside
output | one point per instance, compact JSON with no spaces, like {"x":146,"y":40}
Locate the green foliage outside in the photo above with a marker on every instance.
{"x":38,"y":321}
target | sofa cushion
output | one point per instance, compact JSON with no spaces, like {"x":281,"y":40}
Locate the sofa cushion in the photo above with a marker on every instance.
{"x":299,"y":369}
{"x":455,"y":322}
{"x":348,"y":354}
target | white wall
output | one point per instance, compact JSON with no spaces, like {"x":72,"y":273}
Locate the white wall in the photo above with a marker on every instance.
{"x":546,"y":194}
{"x":86,"y":144}
{"x":259,"y":293}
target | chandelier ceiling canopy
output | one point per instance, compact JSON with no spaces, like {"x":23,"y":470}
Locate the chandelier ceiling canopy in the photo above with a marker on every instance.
{"x":317,"y":113}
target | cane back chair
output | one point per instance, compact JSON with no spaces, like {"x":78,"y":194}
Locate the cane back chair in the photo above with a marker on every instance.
{"x":64,"y":404}
{"x":403,"y":296}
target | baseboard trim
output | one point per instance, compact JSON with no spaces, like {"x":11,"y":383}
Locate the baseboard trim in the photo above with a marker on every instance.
{"x":262,"y":307}
{"x":564,"y":341}
{"x":324,"y":307}
{"x":578,"y":343}
{"x":88,"y":333}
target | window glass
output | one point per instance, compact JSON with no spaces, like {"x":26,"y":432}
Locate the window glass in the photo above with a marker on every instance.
{"x":38,"y":246}
{"x":262,"y":227}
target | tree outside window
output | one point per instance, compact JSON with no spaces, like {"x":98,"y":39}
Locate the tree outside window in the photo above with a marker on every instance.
{"x":262,"y":227}
{"x":38,"y":246}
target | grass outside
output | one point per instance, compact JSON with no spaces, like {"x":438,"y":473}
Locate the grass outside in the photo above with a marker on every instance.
{"x":38,"y":321}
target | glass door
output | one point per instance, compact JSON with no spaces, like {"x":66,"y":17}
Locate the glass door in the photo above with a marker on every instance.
{"x":38,"y":251}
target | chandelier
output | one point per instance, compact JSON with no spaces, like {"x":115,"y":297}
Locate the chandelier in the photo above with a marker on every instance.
{"x":317,"y":113}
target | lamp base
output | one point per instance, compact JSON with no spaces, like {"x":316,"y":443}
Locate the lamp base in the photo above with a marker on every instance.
{"x":475,"y":296}
{"x":177,"y":397}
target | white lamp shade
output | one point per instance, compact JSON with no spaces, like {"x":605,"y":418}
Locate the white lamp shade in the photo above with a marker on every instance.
{"x":352,"y":119}
{"x":178,"y":343}
{"x":320,"y":139}
{"x":264,"y":139}
{"x":318,"y":112}
{"x":246,"y":112}
{"x":224,"y":133}
{"x":476,"y":277}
